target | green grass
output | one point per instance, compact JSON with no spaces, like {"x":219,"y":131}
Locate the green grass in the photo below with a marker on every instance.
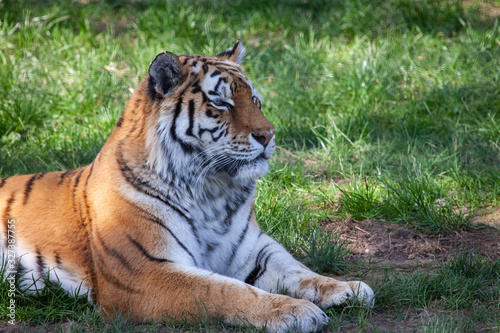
{"x":325,"y":252}
{"x":420,"y":201}
{"x":387,"y":110}
{"x":466,"y":279}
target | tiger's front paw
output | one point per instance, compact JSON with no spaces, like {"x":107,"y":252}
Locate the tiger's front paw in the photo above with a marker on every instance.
{"x":326,"y":292}
{"x":294,"y":315}
{"x":363,"y":293}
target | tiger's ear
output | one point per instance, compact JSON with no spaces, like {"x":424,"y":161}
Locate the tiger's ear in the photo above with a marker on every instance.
{"x":165,"y":75}
{"x":235,"y":53}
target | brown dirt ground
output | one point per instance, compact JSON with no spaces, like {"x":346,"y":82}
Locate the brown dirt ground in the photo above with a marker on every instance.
{"x":404,"y":250}
{"x":399,"y":244}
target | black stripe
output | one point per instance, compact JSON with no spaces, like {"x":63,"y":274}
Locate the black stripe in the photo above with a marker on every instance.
{"x":228,"y":53}
{"x":111,"y":278}
{"x":85,"y":199}
{"x":217,"y":138}
{"x":120,"y":121}
{"x":211,"y":131}
{"x":7,"y":217}
{"x":258,"y":271}
{"x":187,"y":58}
{"x":230,"y":212}
{"x":94,"y":291}
{"x":215,"y":73}
{"x":78,"y":210}
{"x":264,"y":266}
{"x":90,"y":174}
{"x":185,"y":147}
{"x":255,"y":273}
{"x":77,"y":180}
{"x":146,"y":188}
{"x":197,"y":89}
{"x":156,"y":220}
{"x":252,"y":277}
{"x":238,"y":200}
{"x":143,"y":128}
{"x":209,"y":113}
{"x":145,"y":253}
{"x":240,"y":80}
{"x":211,"y":247}
{"x":64,"y":175}
{"x":138,"y":104}
{"x":221,"y":79}
{"x":189,"y":130}
{"x":113,"y":252}
{"x":260,"y":255}
{"x":238,"y":243}
{"x":29,"y":185}
{"x":75,"y":187}
{"x":227,"y":221}
{"x":85,"y":225}
{"x":58,"y":259}
{"x":3,"y":181}
{"x":40,"y":263}
{"x":224,"y":67}
{"x":132,"y":127}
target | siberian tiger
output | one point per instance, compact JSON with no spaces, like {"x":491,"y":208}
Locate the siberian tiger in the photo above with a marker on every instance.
{"x":161,"y":224}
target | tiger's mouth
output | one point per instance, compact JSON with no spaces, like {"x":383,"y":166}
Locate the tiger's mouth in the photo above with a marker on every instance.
{"x":264,"y":155}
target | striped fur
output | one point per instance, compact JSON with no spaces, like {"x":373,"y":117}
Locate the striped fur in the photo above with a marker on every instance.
{"x":162,"y":222}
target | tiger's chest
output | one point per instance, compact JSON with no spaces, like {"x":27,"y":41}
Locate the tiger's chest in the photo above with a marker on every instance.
{"x":223,"y":231}
{"x":213,"y":231}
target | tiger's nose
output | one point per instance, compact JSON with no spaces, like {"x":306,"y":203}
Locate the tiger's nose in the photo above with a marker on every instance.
{"x":263,"y":137}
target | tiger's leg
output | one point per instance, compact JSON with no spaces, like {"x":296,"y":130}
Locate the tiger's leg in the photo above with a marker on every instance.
{"x":168,"y":290}
{"x":272,"y":268}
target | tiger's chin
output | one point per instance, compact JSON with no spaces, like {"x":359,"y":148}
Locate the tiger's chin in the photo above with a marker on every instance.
{"x":249,"y":171}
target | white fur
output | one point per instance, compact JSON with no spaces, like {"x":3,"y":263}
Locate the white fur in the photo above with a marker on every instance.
{"x":30,"y":280}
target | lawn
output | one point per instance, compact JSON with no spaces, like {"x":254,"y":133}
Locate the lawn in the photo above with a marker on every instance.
{"x":387,"y":116}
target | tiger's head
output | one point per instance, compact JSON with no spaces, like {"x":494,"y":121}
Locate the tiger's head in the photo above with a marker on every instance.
{"x":209,"y":120}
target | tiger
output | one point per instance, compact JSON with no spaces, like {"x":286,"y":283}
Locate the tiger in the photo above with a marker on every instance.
{"x":161,"y":225}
